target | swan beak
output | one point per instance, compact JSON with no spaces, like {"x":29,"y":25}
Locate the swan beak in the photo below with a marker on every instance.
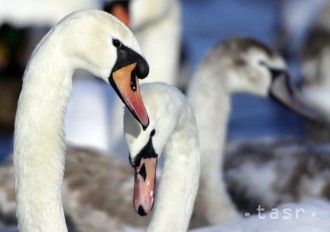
{"x":282,"y":91}
{"x":144,"y":185}
{"x":126,"y":84}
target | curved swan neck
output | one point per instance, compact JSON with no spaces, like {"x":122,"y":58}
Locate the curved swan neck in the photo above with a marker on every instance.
{"x":179,"y":181}
{"x":38,"y":142}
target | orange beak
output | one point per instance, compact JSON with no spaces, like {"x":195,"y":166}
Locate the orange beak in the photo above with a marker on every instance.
{"x":126,"y":84}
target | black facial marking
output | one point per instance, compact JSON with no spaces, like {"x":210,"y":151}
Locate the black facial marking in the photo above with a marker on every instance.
{"x":147,"y":151}
{"x":289,"y":88}
{"x":126,"y":56}
{"x":141,"y":211}
{"x":276,"y":73}
{"x":143,"y":172}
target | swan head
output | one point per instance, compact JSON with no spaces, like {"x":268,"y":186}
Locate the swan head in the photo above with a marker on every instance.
{"x":100,"y":43}
{"x":252,"y":67}
{"x":146,"y":146}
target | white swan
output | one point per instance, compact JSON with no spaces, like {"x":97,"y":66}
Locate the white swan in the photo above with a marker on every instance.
{"x":172,"y":130}
{"x":237,"y":65}
{"x":91,"y":40}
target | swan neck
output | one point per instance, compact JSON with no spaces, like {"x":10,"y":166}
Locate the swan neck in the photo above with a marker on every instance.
{"x":210,"y":99}
{"x":181,"y":175}
{"x":38,"y":142}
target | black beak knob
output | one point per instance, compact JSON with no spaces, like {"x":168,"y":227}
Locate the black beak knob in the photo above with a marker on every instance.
{"x":142,"y":68}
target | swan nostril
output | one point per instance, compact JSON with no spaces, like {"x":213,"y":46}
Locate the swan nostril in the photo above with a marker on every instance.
{"x":133,"y":81}
{"x":141,"y":211}
{"x":143,"y":172}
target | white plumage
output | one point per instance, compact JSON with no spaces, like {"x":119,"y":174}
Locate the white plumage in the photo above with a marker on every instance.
{"x":38,"y":143}
{"x":172,"y":131}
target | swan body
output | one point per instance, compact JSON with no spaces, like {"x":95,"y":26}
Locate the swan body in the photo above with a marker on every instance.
{"x":236,"y":65}
{"x":38,"y":141}
{"x":270,"y":172}
{"x":172,"y":131}
{"x":96,"y":193}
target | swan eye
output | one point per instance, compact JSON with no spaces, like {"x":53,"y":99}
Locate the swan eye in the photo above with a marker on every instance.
{"x":116,"y":43}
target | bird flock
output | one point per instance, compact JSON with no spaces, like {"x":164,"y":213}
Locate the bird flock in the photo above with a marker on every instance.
{"x":181,"y":174}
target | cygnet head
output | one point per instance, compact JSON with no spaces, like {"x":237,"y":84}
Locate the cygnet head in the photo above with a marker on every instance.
{"x":100,"y":43}
{"x":146,"y":146}
{"x":246,"y":65}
